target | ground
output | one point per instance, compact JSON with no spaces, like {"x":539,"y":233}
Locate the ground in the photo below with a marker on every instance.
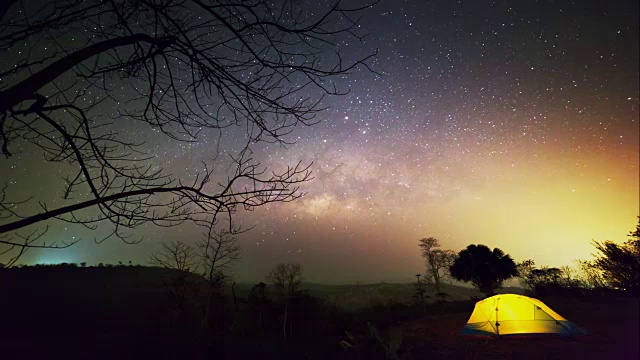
{"x":125,"y":312}
{"x":612,"y":322}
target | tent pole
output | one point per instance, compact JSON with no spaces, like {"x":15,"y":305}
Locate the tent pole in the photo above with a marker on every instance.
{"x":497,"y":323}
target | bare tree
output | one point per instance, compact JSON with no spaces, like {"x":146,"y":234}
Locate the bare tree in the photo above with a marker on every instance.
{"x":211,"y":258}
{"x":437,"y":261}
{"x":287,"y":281}
{"x":180,"y":287}
{"x":218,"y":250}
{"x":78,"y":74}
{"x":175,"y":255}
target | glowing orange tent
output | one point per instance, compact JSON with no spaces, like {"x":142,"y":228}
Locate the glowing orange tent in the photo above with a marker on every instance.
{"x":510,"y":314}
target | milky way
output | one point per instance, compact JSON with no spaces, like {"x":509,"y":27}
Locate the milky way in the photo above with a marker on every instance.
{"x":512,"y":124}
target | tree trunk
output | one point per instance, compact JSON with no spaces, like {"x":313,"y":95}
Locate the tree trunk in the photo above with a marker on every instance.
{"x":205,"y":323}
{"x":235,"y":299}
{"x":284,"y":324}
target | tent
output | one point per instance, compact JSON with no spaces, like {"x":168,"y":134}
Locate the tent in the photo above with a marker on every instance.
{"x":511,"y":314}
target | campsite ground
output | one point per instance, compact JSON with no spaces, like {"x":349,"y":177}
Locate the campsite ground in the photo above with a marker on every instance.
{"x":613,"y":325}
{"x":124,"y":312}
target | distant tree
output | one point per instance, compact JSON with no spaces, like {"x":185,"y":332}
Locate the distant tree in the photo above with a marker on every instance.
{"x":524,"y":269}
{"x":420,"y":291}
{"x":182,"y":257}
{"x":551,"y":275}
{"x":569,"y":277}
{"x":217,"y":250}
{"x":437,"y":261}
{"x":589,"y":276}
{"x":542,"y":280}
{"x":83,"y":264}
{"x":484,"y":268}
{"x":175,"y":255}
{"x":259,"y":298}
{"x":287,"y":282}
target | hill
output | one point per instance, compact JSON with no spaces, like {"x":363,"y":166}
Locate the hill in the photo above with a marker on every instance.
{"x":98,"y":312}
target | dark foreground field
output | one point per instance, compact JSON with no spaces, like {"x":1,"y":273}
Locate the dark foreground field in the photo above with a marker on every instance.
{"x":612,"y":323}
{"x":129,"y":312}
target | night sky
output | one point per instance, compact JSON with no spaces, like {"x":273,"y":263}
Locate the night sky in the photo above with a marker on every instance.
{"x":511,"y":124}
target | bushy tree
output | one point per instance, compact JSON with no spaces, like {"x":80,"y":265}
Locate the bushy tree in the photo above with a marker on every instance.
{"x":635,"y":235}
{"x":552,"y":280}
{"x":615,"y":265}
{"x":484,"y":268}
{"x":590,"y":277}
{"x":524,"y":269}
{"x":543,"y":277}
{"x":633,"y":244}
{"x":619,"y":264}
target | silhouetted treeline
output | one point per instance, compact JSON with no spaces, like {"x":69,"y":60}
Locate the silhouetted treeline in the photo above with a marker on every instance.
{"x":65,"y":265}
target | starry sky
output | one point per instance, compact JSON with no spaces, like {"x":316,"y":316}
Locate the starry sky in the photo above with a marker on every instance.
{"x":511,"y":124}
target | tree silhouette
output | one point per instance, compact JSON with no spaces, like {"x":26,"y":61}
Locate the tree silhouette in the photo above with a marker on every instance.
{"x":259,"y":298}
{"x":175,"y":255}
{"x":287,"y":281}
{"x":484,"y":268}
{"x":89,"y":72}
{"x":437,"y":261}
{"x":547,"y":280}
{"x":218,"y":249}
{"x":419,"y":291}
{"x":615,"y":265}
{"x":618,"y":264}
{"x":524,"y":269}
{"x":634,"y":241}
